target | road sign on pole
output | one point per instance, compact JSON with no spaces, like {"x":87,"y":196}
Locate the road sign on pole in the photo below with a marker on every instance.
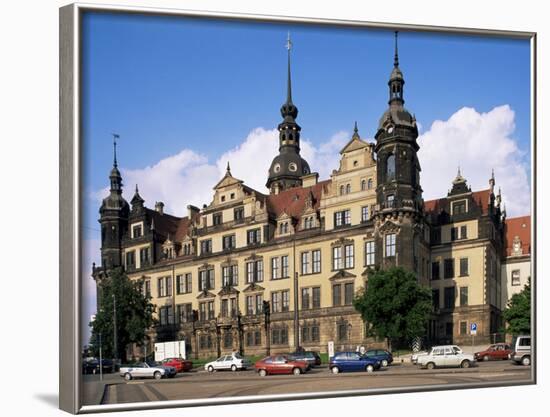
{"x":330,"y":349}
{"x":473,"y":329}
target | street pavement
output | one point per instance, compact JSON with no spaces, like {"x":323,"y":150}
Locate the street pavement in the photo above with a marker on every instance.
{"x":199,"y":384}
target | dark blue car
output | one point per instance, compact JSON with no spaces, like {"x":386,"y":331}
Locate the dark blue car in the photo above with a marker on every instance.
{"x":381,"y":355}
{"x":351,"y":362}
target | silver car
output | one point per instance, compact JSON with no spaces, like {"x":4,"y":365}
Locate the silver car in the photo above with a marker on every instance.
{"x":144,"y":370}
{"x":232,"y":362}
{"x":446,"y":356}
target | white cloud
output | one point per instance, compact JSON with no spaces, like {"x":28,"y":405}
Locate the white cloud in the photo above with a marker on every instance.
{"x":477,"y":142}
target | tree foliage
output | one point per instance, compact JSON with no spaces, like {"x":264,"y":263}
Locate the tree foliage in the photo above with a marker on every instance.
{"x":134,"y":315}
{"x":518,"y":312}
{"x":394,"y":304}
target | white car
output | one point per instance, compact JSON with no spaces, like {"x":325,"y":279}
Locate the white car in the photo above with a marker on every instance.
{"x":144,"y":370}
{"x":232,"y":362}
{"x":443,"y":356}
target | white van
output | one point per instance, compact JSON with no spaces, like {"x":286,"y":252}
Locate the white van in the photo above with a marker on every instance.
{"x":521,"y":346}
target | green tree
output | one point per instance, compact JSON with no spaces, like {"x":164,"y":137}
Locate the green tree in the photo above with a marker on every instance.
{"x":518,"y":312}
{"x":134,"y":315}
{"x":394,"y":304}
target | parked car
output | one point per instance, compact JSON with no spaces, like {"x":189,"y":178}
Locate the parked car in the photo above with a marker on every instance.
{"x":416,"y":355}
{"x":146,"y":370}
{"x":381,"y":355}
{"x":180,"y":364}
{"x":446,"y":356}
{"x":311,"y":357}
{"x":232,"y":362}
{"x":281,"y":364}
{"x":352,"y":361}
{"x":91,"y":366}
{"x":498,"y":351}
{"x":521,"y":346}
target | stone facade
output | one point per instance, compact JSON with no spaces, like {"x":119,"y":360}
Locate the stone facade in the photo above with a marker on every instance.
{"x":262,"y":273}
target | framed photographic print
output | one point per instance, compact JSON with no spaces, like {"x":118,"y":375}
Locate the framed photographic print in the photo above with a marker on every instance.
{"x":259,"y":208}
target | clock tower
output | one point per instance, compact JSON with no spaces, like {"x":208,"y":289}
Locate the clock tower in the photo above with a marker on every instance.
{"x":398,"y":225}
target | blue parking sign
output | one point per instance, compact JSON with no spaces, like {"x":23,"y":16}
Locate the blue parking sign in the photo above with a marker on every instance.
{"x":473,"y":328}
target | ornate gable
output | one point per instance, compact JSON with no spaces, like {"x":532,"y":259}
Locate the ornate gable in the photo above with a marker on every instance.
{"x":205,"y":294}
{"x":254,"y":288}
{"x":342,"y":275}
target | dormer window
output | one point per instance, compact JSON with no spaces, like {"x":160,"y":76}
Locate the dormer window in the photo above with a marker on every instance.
{"x":459,"y":207}
{"x":283,"y":228}
{"x":238,"y":214}
{"x":137,"y":231}
{"x":217,"y":219}
{"x":309,"y":222}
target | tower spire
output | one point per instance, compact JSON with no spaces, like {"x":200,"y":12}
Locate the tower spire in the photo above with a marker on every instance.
{"x":289,"y":81}
{"x":115,"y":137}
{"x":396,"y":56}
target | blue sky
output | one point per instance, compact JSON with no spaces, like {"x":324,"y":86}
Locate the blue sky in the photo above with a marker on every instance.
{"x":168,"y":84}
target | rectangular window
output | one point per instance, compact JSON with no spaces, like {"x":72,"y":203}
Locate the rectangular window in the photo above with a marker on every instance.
{"x":305,"y":299}
{"x":454,"y":233}
{"x":275,"y":268}
{"x":137,"y":231}
{"x":183,"y":284}
{"x":390,"y":244}
{"x":238,"y":214}
{"x":459,"y":207}
{"x":369,"y":253}
{"x":206,"y":246}
{"x":316,"y":297}
{"x":342,"y":331}
{"x":464,"y":232}
{"x":276,"y":302}
{"x":164,"y":286}
{"x":253,"y":236}
{"x":342,"y":218}
{"x":390,"y":201}
{"x":211,"y":315}
{"x":259,"y":304}
{"x":349,"y":260}
{"x":254,"y":271}
{"x":230,"y":275}
{"x":449,"y":297}
{"x":284,"y":266}
{"x":364,"y":213}
{"x":435,"y":299}
{"x":206,"y":279}
{"x":285,"y":300}
{"x":316,"y":266}
{"x":464,"y":267}
{"x":228,"y":242}
{"x":449,"y":268}
{"x":130,"y":259}
{"x":435,"y":270}
{"x":306,"y":263}
{"x":516,"y":277}
{"x":166,"y":315}
{"x":202,"y":312}
{"x":144,"y":256}
{"x":148,"y":288}
{"x":337,"y":295}
{"x":250,"y":311}
{"x":463,"y":296}
{"x":337,"y":260}
{"x":463,"y":327}
{"x":224,"y":307}
{"x":185,"y":313}
{"x":217,"y":219}
{"x":348,"y":293}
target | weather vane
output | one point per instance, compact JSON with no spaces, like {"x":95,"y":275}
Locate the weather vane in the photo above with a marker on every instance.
{"x":115,"y":137}
{"x":288,"y":42}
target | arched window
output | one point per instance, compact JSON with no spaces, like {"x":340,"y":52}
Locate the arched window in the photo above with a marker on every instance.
{"x":363,"y":185}
{"x":348,"y":188}
{"x":341,"y":190}
{"x":390,"y":167}
{"x":369,"y":184}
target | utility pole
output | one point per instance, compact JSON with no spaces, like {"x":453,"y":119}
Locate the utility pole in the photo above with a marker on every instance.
{"x":115,"y":344}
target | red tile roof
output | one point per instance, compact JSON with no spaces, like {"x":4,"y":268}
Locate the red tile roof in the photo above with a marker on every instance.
{"x":293,"y":201}
{"x":480,"y":197}
{"x":521,"y":227}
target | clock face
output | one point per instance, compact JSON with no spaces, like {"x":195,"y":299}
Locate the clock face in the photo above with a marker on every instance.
{"x":292,"y":167}
{"x":390,"y":129}
{"x":277,"y":168}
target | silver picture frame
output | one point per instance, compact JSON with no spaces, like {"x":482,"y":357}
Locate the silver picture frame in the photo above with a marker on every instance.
{"x":70,"y":153}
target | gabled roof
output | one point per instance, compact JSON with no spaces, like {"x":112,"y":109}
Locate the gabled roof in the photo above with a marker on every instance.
{"x":520,"y":227}
{"x":293,"y":200}
{"x":480,"y":197}
{"x":227,"y":181}
{"x":354,"y":144}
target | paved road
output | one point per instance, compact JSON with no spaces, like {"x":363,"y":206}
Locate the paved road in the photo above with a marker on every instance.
{"x":201,"y":384}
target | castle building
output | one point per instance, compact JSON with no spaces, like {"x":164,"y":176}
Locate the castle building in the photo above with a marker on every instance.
{"x":268,"y":272}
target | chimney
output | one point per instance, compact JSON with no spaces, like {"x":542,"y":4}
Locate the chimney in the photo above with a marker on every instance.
{"x":159,"y":207}
{"x":192,"y":211}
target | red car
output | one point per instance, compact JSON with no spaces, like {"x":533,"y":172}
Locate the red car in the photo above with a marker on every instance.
{"x":280,"y":364}
{"x":180,"y":364}
{"x":498,"y":351}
